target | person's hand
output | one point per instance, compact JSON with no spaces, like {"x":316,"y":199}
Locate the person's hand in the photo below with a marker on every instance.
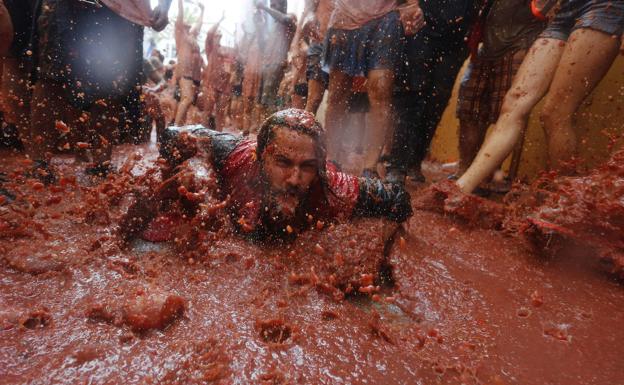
{"x":160,"y":17}
{"x":412,"y":18}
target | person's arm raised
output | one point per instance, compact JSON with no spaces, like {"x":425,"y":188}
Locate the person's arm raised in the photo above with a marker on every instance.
{"x":210,"y":43}
{"x":197,"y":27}
{"x":277,"y":15}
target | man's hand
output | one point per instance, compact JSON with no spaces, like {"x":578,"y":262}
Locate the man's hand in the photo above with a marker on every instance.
{"x":260,"y":4}
{"x":412,"y":18}
{"x":160,"y":17}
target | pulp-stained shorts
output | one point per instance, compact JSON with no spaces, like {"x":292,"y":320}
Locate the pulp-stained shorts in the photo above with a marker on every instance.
{"x":377,"y":45}
{"x":314,"y":70}
{"x":484,"y":85}
{"x":601,"y":15}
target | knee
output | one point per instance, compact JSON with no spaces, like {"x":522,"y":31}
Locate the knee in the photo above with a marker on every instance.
{"x":379,"y":92}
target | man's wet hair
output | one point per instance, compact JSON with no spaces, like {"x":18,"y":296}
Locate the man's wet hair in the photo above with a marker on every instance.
{"x":296,"y":120}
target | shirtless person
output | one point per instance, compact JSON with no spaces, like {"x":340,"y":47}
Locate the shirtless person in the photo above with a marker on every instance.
{"x":252,"y":74}
{"x":189,"y":61}
{"x":276,"y":40}
{"x":563,"y":66}
{"x":365,"y":39}
{"x":216,"y":80}
{"x":273,"y":187}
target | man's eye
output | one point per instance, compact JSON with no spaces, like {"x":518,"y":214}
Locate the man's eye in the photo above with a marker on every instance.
{"x":282,"y":162}
{"x":308,"y":167}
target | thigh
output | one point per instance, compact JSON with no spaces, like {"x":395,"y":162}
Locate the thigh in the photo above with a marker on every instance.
{"x":380,"y":83}
{"x":187,"y":88}
{"x":339,"y":85}
{"x":534,"y":76}
{"x":585,"y":60}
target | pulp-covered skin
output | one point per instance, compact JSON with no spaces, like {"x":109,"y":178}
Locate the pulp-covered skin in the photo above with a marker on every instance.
{"x":466,"y":305}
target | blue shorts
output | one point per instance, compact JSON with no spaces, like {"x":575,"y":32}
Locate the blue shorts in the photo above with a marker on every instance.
{"x":377,"y":45}
{"x":314,"y":70}
{"x":601,"y":15}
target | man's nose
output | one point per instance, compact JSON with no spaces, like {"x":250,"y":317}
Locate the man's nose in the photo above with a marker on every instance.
{"x":294,"y":178}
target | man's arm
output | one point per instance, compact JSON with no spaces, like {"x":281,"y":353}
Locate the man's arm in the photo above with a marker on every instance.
{"x":378,"y":199}
{"x":160,"y":17}
{"x":180,"y":20}
{"x":210,"y":43}
{"x":197,"y":27}
{"x":277,"y":15}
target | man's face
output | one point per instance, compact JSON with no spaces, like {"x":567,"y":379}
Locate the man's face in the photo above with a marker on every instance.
{"x":290,"y":166}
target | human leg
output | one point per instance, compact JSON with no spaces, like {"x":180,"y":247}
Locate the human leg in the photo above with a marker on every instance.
{"x":586,"y":59}
{"x":339,"y":91}
{"x":103,"y":131}
{"x":187,"y":94}
{"x":443,"y":63}
{"x":316,"y":89}
{"x":380,"y":84}
{"x":530,"y":85}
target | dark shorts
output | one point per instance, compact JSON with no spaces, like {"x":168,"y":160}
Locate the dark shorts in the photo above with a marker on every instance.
{"x":314,"y":70}
{"x":376,"y":45}
{"x":484,"y":86}
{"x":301,"y":89}
{"x":237,"y":90}
{"x":601,"y":15}
{"x":271,"y":78}
{"x":358,"y":103}
{"x":74,"y":41}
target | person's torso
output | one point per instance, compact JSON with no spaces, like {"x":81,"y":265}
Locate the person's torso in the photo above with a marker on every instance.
{"x":509,"y":26}
{"x":353,"y":14}
{"x":323,"y":14}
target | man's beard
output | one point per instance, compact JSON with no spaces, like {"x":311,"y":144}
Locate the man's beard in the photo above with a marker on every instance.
{"x":284,"y":207}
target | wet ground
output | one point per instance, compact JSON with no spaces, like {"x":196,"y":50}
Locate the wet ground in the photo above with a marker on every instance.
{"x":445,"y":303}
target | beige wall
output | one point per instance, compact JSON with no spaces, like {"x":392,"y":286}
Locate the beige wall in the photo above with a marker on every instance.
{"x":602,"y":113}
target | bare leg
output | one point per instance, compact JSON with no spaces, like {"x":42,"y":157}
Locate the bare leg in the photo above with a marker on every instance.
{"x":220,"y":112}
{"x":339,"y":91}
{"x":380,"y":95}
{"x":187,"y":93}
{"x":586,"y":59}
{"x":248,"y":104}
{"x":530,"y":85}
{"x":471,"y":135}
{"x":316,"y":89}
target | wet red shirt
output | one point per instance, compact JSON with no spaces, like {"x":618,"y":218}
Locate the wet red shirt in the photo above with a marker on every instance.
{"x":241,"y":180}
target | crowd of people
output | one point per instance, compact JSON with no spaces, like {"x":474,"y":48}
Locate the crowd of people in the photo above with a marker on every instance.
{"x":74,"y":77}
